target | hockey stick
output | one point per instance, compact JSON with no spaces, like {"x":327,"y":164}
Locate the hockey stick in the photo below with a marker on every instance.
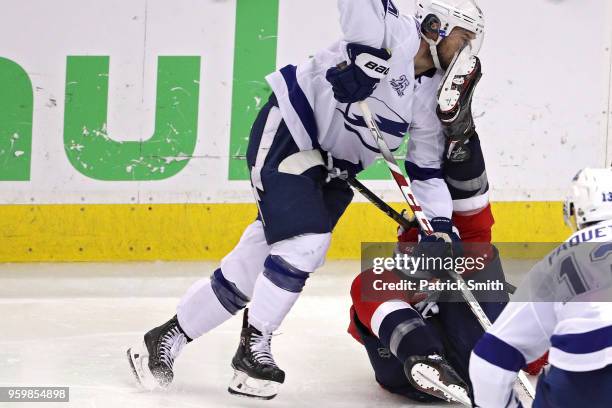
{"x":397,"y":217}
{"x":381,"y":205}
{"x":425,"y":226}
{"x":402,"y":182}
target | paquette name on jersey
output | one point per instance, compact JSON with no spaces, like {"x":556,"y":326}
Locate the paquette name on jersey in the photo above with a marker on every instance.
{"x":581,"y":237}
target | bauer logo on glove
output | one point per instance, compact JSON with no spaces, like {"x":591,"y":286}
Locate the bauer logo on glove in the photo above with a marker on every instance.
{"x":356,"y":81}
{"x":372,"y":66}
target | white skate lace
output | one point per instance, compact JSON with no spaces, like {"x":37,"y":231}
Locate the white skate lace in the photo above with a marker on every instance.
{"x":171,"y":345}
{"x":260,"y":347}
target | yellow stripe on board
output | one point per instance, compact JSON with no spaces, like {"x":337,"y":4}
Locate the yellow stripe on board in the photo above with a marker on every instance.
{"x":208,"y":231}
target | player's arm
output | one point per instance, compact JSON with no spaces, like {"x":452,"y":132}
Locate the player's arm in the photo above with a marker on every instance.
{"x":362,"y":22}
{"x":520,"y":334}
{"x":363,"y":27}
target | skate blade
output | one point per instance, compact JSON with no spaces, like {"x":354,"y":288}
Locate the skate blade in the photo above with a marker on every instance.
{"x":450,"y":92}
{"x":139,"y":359}
{"x":427,"y":379}
{"x":245,"y":386}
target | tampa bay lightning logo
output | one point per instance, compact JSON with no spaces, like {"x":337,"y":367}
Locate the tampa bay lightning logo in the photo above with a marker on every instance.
{"x":400,"y":85}
{"x":395,"y":127}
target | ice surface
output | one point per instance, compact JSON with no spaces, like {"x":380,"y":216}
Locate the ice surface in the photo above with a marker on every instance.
{"x":70,"y":325}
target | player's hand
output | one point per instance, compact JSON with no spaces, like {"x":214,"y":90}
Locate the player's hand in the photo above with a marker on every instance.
{"x":410,"y":235}
{"x":444,"y":243}
{"x":358,"y":80}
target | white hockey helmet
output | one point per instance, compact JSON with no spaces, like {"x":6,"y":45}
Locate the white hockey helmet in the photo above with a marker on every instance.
{"x":442,"y":16}
{"x":589,"y":199}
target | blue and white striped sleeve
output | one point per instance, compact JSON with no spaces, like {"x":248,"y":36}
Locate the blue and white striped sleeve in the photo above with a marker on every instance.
{"x":521,"y":334}
{"x":363,"y":21}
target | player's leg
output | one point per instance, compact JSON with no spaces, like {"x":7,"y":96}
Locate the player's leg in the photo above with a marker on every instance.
{"x":461,"y":328}
{"x":564,"y":389}
{"x":387,"y":360}
{"x":286,"y":270}
{"x":467,"y":180}
{"x":388,"y":369}
{"x":404,"y":349}
{"x":210,"y":301}
{"x":291,"y":190}
{"x":466,"y":177}
{"x":206,"y":304}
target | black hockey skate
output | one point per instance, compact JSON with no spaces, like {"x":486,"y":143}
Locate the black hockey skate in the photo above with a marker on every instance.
{"x":455,"y":102}
{"x":256,"y":374}
{"x":457,"y":89}
{"x":434,"y":375}
{"x":152,"y":362}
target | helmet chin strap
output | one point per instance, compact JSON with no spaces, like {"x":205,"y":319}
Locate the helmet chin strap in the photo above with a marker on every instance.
{"x":431,"y":25}
{"x":433,"y":49}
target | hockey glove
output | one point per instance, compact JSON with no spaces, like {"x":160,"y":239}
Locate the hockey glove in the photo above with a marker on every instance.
{"x":455,"y":99}
{"x":436,"y":248}
{"x":358,"y":80}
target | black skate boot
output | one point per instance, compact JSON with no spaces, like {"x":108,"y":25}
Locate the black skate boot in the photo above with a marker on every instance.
{"x":455,"y":104}
{"x":256,"y":374}
{"x":152,"y":362}
{"x":434,"y":376}
{"x":456,"y":92}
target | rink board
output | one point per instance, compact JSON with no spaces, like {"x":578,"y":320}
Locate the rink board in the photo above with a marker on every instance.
{"x":124,"y":125}
{"x":133,"y":102}
{"x":209,"y":231}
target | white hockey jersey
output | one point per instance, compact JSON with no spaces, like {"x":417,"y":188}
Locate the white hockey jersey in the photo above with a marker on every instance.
{"x":569,"y":314}
{"x":400,"y":103}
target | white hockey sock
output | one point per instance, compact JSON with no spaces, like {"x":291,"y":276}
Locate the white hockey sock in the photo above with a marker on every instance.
{"x":285,"y":272}
{"x":270,"y":305}
{"x":199,"y":310}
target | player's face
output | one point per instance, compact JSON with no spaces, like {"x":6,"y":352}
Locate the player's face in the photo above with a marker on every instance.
{"x":453,"y":43}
